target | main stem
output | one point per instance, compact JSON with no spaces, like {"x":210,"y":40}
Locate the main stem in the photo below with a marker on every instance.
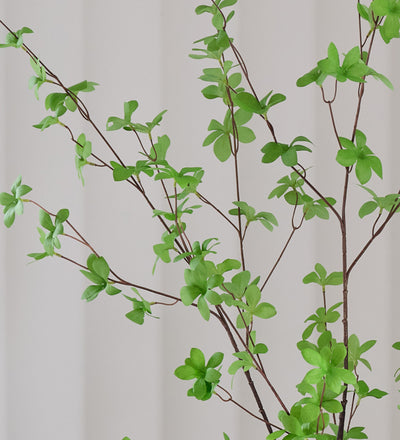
{"x":345,"y":301}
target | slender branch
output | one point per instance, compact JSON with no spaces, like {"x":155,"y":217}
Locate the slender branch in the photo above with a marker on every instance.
{"x":206,"y":201}
{"x":280,"y":256}
{"x":246,"y":373}
{"x":230,"y":399}
{"x":308,"y":183}
{"x":370,"y":241}
{"x":70,"y":260}
{"x":258,"y":368}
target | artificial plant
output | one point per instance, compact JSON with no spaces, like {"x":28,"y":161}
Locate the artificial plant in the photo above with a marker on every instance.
{"x":226,"y":290}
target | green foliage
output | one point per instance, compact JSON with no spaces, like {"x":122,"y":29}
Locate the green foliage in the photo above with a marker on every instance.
{"x":267,"y":219}
{"x":83,"y":150}
{"x":244,"y":361}
{"x":14,"y":203}
{"x":141,"y":308}
{"x":353,"y":68}
{"x":159,"y":150}
{"x":236,"y":301}
{"x":59,"y":103}
{"x":221,"y":134}
{"x":290,"y":187}
{"x":390,"y":9}
{"x":225,"y":82}
{"x":201,"y":281}
{"x":50,"y":238}
{"x":387,"y":203}
{"x":36,"y":81}
{"x":162,"y":250}
{"x":321,"y":318}
{"x":206,"y":374}
{"x":121,"y":173}
{"x":15,"y":39}
{"x":321,"y":277}
{"x":47,"y":122}
{"x":327,"y":356}
{"x":98,"y":272}
{"x":356,"y":350}
{"x":204,"y":249}
{"x":116,"y":123}
{"x":359,"y":154}
{"x":248,"y":102}
{"x":253,"y":307}
{"x":180,"y":210}
{"x":287,"y":152}
{"x":188,"y":178}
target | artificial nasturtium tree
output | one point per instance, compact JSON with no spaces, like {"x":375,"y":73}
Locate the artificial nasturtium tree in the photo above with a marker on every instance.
{"x":227,"y":290}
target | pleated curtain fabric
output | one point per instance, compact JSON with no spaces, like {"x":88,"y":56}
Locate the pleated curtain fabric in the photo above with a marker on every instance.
{"x":76,"y":371}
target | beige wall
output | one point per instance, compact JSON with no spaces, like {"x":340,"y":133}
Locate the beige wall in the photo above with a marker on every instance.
{"x":80,"y":371}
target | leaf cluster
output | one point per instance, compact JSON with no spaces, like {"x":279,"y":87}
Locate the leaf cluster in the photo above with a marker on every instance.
{"x":116,"y":123}
{"x":221,"y":134}
{"x":248,"y":102}
{"x":50,"y":238}
{"x":15,"y":39}
{"x":387,"y":203}
{"x":390,"y":9}
{"x":206,"y":374}
{"x":202,"y":278}
{"x":267,"y":219}
{"x":59,"y":103}
{"x":13,"y":203}
{"x":83,"y":150}
{"x":287,"y":152}
{"x":141,"y":308}
{"x":98,"y":273}
{"x":353,"y":68}
{"x":291,"y":187}
{"x":361,"y":156}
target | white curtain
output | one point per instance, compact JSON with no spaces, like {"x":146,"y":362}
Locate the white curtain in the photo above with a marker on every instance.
{"x":76,"y":371}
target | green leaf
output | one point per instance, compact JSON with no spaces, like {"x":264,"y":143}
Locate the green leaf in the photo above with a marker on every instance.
{"x":312,"y":76}
{"x":45,"y":220}
{"x":112,"y":290}
{"x":346,"y":158}
{"x":203,"y":308}
{"x":367,"y":208}
{"x":312,"y":357}
{"x":136,"y":316}
{"x":291,"y":423}
{"x":47,"y":122}
{"x":334,"y":279}
{"x":311,"y":278}
{"x":129,"y":108}
{"x":332,"y":406}
{"x":91,"y":293}
{"x":186,"y":372}
{"x":378,"y":394}
{"x":222,"y":148}
{"x":215,"y":360}
{"x":276,"y":434}
{"x":396,"y":345}
{"x":265,"y":311}
{"x":309,"y":413}
{"x":356,"y":433}
{"x":197,"y":358}
{"x":246,"y":101}
{"x":212,"y":375}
